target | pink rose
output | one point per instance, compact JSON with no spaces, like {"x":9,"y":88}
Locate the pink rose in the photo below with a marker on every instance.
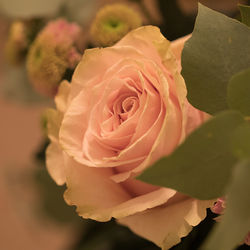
{"x":125,"y":108}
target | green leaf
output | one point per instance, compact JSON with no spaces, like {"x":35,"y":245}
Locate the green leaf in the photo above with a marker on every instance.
{"x":235,"y":224}
{"x":245,"y":14}
{"x":218,"y":49}
{"x":201,"y":166}
{"x":241,"y":141}
{"x":238,"y":92}
{"x":51,"y":200}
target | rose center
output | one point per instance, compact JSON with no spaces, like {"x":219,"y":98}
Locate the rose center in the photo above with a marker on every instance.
{"x":128,"y":104}
{"x":125,"y":107}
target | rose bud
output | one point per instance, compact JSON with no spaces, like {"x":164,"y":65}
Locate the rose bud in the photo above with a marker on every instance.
{"x":112,"y":22}
{"x":51,"y":54}
{"x":125,"y":108}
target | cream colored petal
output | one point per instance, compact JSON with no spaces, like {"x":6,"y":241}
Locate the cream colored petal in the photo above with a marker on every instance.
{"x":166,"y":225}
{"x":54,"y":119}
{"x":55,"y":163}
{"x":61,"y":99}
{"x":148,"y":39}
{"x":143,"y":202}
{"x":91,"y":190}
{"x":98,"y":197}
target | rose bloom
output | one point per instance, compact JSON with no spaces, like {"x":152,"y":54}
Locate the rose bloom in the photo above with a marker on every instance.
{"x":125,"y":108}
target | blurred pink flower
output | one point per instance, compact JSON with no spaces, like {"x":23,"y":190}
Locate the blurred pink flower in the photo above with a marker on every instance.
{"x":53,"y":51}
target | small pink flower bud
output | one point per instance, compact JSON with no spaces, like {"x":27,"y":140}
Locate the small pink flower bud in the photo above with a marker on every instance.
{"x":219,"y":206}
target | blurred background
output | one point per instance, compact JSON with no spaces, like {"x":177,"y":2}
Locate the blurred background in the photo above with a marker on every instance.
{"x":33,"y":214}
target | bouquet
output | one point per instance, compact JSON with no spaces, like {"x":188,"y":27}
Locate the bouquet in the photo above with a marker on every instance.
{"x":148,"y":132}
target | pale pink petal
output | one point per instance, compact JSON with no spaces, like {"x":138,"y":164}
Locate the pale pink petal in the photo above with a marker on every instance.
{"x":55,"y":163}
{"x":99,"y":198}
{"x":148,"y":40}
{"x":171,"y":129}
{"x":91,"y":190}
{"x":75,"y":122}
{"x":96,"y":63}
{"x":143,"y":202}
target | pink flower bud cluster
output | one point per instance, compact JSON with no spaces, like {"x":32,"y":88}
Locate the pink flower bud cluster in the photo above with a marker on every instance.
{"x":53,"y":52}
{"x":61,"y":33}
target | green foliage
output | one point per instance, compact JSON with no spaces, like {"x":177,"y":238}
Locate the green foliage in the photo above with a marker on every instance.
{"x":241,"y":141}
{"x":245,"y":14}
{"x":218,"y":49}
{"x":236,"y":221}
{"x":202,"y":165}
{"x":52,"y":202}
{"x":239,"y":92}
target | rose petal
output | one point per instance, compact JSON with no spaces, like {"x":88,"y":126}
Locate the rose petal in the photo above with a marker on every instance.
{"x":99,"y":198}
{"x":55,"y":163}
{"x":92,"y":191}
{"x":165,"y":225}
{"x":149,"y":41}
{"x":94,"y":65}
{"x":54,"y":119}
{"x":61,"y":99}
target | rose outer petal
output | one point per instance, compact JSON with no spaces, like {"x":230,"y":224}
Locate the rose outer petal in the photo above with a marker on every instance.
{"x":177,"y":46}
{"x":55,"y":163}
{"x":98,"y":197}
{"x":165,"y":225}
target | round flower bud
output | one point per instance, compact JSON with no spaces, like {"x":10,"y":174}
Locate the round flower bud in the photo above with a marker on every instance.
{"x":51,"y":54}
{"x":17,"y":42}
{"x":21,"y":35}
{"x":112,"y":22}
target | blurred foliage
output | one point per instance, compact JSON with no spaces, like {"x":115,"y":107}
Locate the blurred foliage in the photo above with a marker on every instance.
{"x":204,"y":152}
{"x":208,"y":63}
{"x":238,"y":92}
{"x":53,"y":204}
{"x":245,"y":14}
{"x":236,"y":221}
